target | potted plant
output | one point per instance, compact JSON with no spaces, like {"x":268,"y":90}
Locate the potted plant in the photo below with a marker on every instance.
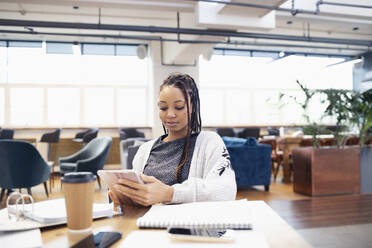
{"x":338,"y":105}
{"x":287,"y":143}
{"x":312,"y":128}
{"x":360,"y":109}
{"x":326,"y":170}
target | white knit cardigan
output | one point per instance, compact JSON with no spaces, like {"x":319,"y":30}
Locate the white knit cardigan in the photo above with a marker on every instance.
{"x":211,"y":177}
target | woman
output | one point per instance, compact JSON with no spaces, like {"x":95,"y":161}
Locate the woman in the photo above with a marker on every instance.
{"x":185,"y":164}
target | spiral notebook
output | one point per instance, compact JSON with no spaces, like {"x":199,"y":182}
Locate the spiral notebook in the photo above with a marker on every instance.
{"x":221,"y":214}
{"x":54,"y":211}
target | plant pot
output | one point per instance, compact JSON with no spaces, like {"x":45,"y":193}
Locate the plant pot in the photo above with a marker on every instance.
{"x":326,"y":170}
{"x":366,"y":169}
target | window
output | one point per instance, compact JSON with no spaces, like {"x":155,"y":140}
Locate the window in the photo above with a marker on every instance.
{"x":59,"y":48}
{"x":119,"y":70}
{"x":132,"y":107}
{"x":243,"y":90}
{"x":99,"y":106}
{"x":212,"y":106}
{"x":63,"y":106}
{"x":237,"y":99}
{"x":24,"y":62}
{"x":265,"y":108}
{"x":26,"y":106}
{"x":64,"y":84}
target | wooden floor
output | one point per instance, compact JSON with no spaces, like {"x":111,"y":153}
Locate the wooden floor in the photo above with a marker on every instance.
{"x":326,"y":211}
{"x":278,"y":191}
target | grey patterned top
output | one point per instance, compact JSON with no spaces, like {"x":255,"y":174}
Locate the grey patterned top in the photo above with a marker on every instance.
{"x":165,"y":157}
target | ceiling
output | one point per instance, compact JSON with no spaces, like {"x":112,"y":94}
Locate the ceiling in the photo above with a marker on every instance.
{"x":270,"y":25}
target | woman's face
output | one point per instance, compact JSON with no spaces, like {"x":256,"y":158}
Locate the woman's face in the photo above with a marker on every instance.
{"x":173,"y":110}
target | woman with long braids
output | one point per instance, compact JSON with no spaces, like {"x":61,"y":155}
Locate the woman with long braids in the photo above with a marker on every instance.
{"x":185,"y":164}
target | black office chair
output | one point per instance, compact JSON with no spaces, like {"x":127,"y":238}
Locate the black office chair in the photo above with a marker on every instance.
{"x":250,"y":132}
{"x":6,"y":133}
{"x":126,"y":133}
{"x":273,"y":131}
{"x":21,"y":166}
{"x":51,"y":137}
{"x":92,"y":157}
{"x":227,"y":131}
{"x":86,"y":136}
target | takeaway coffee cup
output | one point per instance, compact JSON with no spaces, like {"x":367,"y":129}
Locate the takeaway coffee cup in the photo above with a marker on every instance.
{"x":78,"y":189}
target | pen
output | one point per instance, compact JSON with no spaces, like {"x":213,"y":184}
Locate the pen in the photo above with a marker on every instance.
{"x":242,"y":228}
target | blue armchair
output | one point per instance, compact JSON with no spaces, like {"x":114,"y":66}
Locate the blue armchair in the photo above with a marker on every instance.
{"x":90,"y":158}
{"x":251,"y":161}
{"x":21,"y":166}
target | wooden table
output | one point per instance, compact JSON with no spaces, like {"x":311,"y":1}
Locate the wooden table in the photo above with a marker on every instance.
{"x":277,"y":232}
{"x":28,"y":139}
{"x":287,"y":144}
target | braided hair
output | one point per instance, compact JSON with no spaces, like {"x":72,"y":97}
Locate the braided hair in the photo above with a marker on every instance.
{"x":190,"y":91}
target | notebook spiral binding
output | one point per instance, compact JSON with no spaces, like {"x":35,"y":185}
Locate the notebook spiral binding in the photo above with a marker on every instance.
{"x":191,"y":224}
{"x":19,"y":209}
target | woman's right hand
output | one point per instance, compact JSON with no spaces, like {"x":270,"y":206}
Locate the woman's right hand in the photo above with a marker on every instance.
{"x":119,"y":202}
{"x":114,"y":200}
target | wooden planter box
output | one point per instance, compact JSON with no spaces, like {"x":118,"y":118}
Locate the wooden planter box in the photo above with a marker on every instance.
{"x":326,"y":171}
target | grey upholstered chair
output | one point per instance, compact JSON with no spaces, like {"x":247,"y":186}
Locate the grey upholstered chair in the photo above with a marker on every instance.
{"x":87,"y":135}
{"x":249,"y":132}
{"x":125,"y":146}
{"x":50,"y":137}
{"x":92,"y":157}
{"x":6,"y":133}
{"x":126,"y":133}
{"x":273,"y":131}
{"x":226,"y":131}
{"x":21,"y":166}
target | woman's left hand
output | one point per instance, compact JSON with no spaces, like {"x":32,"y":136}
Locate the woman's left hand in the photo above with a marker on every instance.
{"x":152,"y":192}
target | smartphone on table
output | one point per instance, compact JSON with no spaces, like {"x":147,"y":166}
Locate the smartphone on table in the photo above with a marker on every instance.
{"x":201,"y":234}
{"x":98,"y":240}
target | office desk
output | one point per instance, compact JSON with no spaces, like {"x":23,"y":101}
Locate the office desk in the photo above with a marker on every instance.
{"x":277,"y":232}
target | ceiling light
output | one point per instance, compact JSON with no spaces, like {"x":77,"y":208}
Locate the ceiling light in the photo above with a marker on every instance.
{"x":141,"y":51}
{"x":30,"y":29}
{"x":208,"y":53}
{"x":281,"y":54}
{"x":76,"y":48}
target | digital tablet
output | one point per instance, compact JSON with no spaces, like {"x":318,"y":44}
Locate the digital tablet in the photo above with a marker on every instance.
{"x":111,"y":177}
